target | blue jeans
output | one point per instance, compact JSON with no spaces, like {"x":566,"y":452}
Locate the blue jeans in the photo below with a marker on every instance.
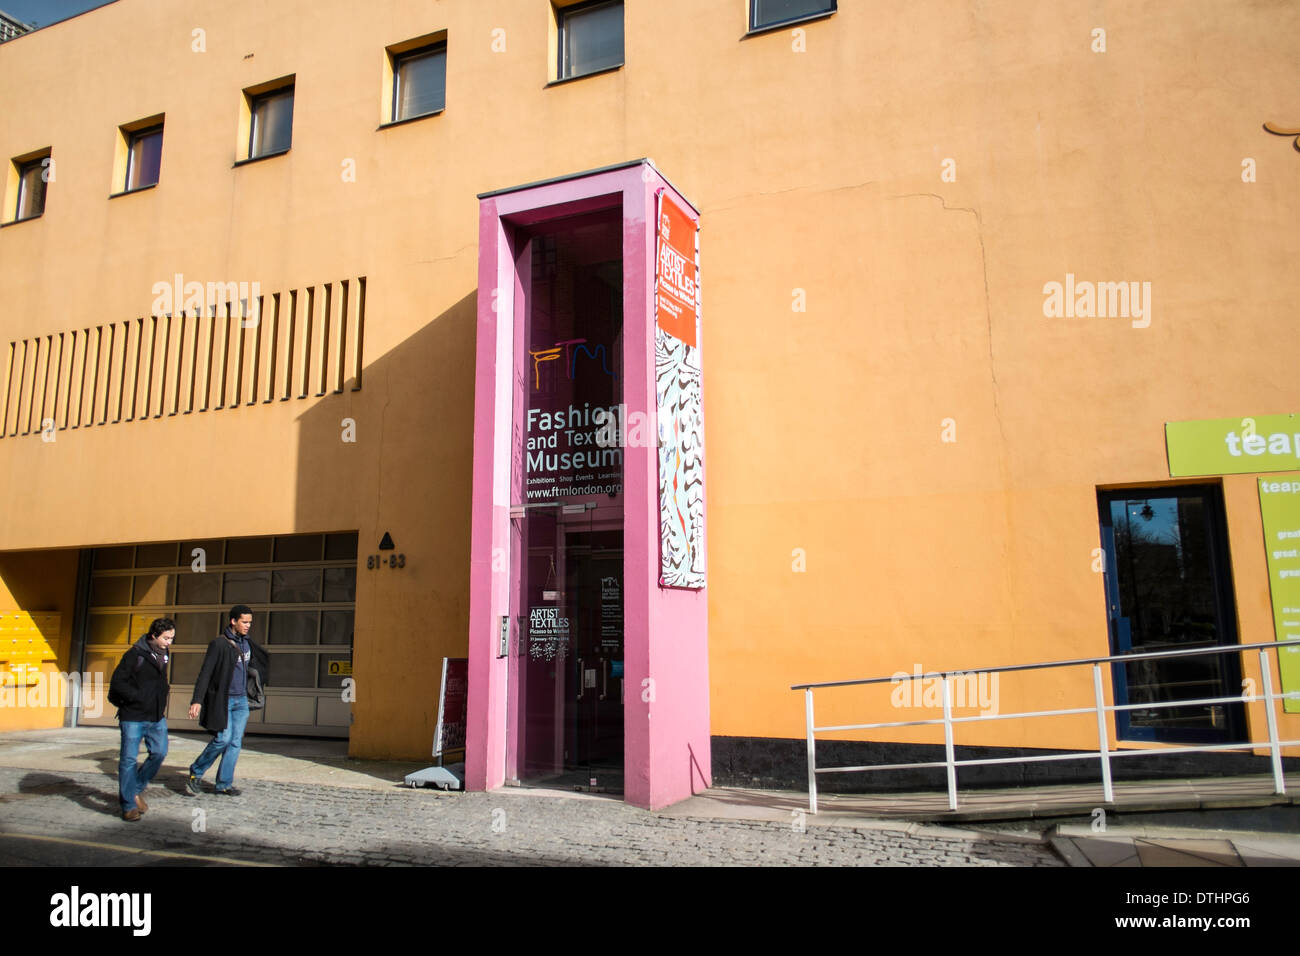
{"x":225,"y":745}
{"x":133,"y":777}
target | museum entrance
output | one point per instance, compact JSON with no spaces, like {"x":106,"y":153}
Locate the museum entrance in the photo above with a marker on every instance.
{"x":587,"y":525}
{"x":566,"y":719}
{"x":570,"y":658}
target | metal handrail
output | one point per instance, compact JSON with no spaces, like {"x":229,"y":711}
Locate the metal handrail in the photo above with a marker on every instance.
{"x":1099,"y":707}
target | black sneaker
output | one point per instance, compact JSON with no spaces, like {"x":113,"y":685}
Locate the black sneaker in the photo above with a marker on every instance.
{"x":192,"y":785}
{"x":232,"y":792}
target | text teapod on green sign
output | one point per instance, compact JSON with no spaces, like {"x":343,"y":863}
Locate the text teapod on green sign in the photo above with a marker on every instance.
{"x":1279,"y":504}
{"x":1233,"y":446}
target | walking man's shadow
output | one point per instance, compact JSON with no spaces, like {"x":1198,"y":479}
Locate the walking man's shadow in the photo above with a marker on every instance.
{"x":84,"y":795}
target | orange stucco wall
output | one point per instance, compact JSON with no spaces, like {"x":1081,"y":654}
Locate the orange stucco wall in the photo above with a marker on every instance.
{"x":854,"y":300}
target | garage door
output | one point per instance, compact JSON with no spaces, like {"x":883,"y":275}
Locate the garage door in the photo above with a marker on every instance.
{"x":301,"y":587}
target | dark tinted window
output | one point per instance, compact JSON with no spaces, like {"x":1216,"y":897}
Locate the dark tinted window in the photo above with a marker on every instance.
{"x":591,"y":38}
{"x":145,"y":159}
{"x":419,"y":82}
{"x":272,"y":126}
{"x":31,"y":188}
{"x":767,"y":13}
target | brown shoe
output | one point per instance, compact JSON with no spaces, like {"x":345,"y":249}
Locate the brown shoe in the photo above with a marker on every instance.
{"x":131,"y":815}
{"x":141,"y":805}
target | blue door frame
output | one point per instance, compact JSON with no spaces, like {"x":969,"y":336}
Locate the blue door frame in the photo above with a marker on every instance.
{"x":1121,"y":626}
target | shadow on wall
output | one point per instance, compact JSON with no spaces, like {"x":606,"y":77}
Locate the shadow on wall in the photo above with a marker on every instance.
{"x":699,"y":782}
{"x":395,"y":456}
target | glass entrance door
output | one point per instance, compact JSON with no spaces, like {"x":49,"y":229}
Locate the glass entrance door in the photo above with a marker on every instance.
{"x":1168,"y":588}
{"x":594,"y":585}
{"x":567,"y":578}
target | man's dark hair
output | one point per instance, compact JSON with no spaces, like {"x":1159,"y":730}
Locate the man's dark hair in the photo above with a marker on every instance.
{"x":239,"y":610}
{"x":161,"y":625}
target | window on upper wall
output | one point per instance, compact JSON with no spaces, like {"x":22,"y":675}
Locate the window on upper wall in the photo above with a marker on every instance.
{"x":590,"y":37}
{"x":419,"y":81}
{"x":773,"y":13}
{"x":143,"y":157}
{"x":33,"y":179}
{"x":270,"y":129}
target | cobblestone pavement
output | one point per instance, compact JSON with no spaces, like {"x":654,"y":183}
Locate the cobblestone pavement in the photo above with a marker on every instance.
{"x":306,"y":824}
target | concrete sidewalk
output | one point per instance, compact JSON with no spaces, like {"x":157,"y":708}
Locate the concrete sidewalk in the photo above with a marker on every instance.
{"x":1078,"y":845}
{"x":1172,"y":846}
{"x":329,"y":808}
{"x":272,"y":759}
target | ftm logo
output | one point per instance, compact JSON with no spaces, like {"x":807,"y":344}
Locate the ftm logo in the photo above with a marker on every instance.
{"x":76,"y":909}
{"x":553,"y":353}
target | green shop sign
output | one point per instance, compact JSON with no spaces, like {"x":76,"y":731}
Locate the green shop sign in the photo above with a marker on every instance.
{"x":1279,"y":503}
{"x":1233,"y":446}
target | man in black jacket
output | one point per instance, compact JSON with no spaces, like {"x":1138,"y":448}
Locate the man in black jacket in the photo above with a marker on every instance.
{"x":139,"y":691}
{"x":220,"y":701}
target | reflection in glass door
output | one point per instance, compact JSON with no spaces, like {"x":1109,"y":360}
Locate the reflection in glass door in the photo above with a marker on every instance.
{"x":567,"y":507}
{"x":1168,"y":587}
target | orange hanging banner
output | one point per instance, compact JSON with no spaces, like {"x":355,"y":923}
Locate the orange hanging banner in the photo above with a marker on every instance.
{"x":676,"y":273}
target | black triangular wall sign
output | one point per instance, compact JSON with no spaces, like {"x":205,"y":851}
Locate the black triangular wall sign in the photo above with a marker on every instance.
{"x":387,"y":543}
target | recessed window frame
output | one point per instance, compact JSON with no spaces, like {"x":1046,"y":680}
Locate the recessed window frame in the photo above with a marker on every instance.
{"x":254,"y":126}
{"x":29,"y":173}
{"x":251,"y":103}
{"x":398,"y":60}
{"x":124,"y":161}
{"x":754,"y":27}
{"x":23,"y":172}
{"x":564,"y":15}
{"x":131,"y":158}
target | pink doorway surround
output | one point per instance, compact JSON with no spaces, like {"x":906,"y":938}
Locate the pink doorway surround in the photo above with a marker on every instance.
{"x":666,"y":701}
